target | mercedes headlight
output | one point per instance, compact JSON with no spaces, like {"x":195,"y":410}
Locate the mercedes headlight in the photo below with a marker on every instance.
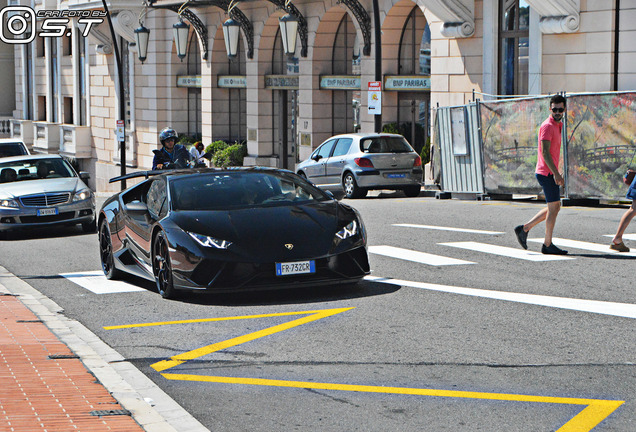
{"x":82,"y":195}
{"x":210,"y":241}
{"x":350,"y":230}
{"x":9,"y":203}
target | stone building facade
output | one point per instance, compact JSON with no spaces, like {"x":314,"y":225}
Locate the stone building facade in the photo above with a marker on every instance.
{"x":433,"y":53}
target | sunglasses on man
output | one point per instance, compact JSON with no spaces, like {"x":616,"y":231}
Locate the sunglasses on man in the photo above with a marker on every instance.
{"x":558,"y":110}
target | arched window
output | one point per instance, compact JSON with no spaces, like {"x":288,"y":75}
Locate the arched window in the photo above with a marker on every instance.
{"x":415,"y":46}
{"x":514,"y":18}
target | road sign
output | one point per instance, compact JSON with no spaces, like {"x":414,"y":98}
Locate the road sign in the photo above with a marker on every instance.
{"x":375,"y":97}
{"x":119,"y":131}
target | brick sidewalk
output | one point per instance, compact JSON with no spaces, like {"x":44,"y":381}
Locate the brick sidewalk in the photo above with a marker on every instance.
{"x":44,"y":386}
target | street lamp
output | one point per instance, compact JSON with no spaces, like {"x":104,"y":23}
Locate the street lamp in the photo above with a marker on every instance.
{"x":289,"y":31}
{"x":142,"y":34}
{"x":231,"y":36}
{"x":181,"y":31}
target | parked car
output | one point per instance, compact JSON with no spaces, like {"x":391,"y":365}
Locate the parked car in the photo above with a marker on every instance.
{"x":358,"y":162}
{"x":229,"y":230}
{"x":12,"y":147}
{"x":43,"y":190}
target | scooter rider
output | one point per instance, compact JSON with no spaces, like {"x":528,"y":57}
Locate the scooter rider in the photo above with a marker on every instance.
{"x":171,"y":151}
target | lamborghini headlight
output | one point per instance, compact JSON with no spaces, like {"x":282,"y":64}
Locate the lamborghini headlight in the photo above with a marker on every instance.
{"x":9,"y":203}
{"x":349,"y":231}
{"x":210,"y":241}
{"x":82,"y":195}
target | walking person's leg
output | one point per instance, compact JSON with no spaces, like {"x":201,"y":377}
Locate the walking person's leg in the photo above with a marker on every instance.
{"x":617,"y":241}
{"x":550,"y":221}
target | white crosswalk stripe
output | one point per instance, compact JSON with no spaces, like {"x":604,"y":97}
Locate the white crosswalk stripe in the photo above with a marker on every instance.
{"x":626,"y":310}
{"x":415,"y":256}
{"x":506,"y":251}
{"x":96,"y":282}
{"x":576,"y":244}
{"x":625,"y":236}
{"x":441,"y":228}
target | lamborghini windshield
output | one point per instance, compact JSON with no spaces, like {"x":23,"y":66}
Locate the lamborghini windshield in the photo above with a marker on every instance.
{"x":226,"y":190}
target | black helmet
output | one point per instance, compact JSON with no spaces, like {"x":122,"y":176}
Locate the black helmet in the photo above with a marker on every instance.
{"x":167,"y":133}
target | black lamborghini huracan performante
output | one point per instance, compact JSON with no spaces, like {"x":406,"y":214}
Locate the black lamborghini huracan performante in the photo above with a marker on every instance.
{"x":230,"y":230}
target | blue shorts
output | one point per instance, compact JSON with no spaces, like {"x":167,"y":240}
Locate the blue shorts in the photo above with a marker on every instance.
{"x":550,"y":188}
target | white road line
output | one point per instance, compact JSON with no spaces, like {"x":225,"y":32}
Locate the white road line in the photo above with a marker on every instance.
{"x":415,"y":256}
{"x":96,"y":282}
{"x":506,"y":251}
{"x":626,"y":310}
{"x":440,"y":228}
{"x":575,"y":244}
{"x":625,"y":236}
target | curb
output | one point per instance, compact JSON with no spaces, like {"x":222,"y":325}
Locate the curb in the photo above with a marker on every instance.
{"x":150,"y":406}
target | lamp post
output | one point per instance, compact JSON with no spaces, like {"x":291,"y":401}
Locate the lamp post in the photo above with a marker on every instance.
{"x":122,"y":102}
{"x":289,"y":32}
{"x":231,"y":35}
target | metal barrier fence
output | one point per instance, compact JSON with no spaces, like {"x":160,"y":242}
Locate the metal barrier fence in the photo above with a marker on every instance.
{"x":599,"y":137}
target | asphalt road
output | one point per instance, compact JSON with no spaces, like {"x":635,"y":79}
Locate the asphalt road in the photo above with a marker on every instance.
{"x":453,"y":347}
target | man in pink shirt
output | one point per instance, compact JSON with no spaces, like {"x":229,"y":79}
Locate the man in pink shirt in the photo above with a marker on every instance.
{"x":549,"y":177}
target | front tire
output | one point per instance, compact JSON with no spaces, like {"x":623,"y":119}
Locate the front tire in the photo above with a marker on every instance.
{"x":106,"y":253}
{"x":161,"y":266}
{"x":351,"y":188}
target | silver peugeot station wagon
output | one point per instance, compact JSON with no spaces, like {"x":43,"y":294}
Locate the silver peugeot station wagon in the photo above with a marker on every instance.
{"x":358,"y":162}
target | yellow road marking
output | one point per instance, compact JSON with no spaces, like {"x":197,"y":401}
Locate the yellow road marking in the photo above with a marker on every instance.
{"x":595,"y":411}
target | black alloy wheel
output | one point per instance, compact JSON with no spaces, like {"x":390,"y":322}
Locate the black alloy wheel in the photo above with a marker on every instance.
{"x":106,"y":252}
{"x":351,"y":188}
{"x":161,"y":266}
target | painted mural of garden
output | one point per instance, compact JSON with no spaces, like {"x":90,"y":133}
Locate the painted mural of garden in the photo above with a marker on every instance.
{"x":600,"y":131}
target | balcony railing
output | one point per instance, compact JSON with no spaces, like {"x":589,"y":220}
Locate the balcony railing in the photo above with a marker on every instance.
{"x":5,"y":127}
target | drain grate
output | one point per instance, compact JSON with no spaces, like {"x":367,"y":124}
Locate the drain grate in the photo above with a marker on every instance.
{"x":101,"y":413}
{"x":29,"y":321}
{"x":63,"y":356}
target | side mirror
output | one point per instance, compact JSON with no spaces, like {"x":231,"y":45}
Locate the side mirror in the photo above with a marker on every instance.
{"x":317,"y":157}
{"x":137,"y":207}
{"x":84,"y":175}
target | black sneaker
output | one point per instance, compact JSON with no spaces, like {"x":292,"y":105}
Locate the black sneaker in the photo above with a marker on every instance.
{"x":522,"y":236}
{"x":552,"y":250}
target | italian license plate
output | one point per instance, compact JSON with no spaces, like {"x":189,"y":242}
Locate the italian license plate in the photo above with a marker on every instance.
{"x":401,"y":175}
{"x":291,"y":268}
{"x":47,"y":212}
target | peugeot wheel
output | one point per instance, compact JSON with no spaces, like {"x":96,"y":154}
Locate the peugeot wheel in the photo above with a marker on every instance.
{"x":161,"y":266}
{"x":351,"y":188}
{"x":106,"y":252}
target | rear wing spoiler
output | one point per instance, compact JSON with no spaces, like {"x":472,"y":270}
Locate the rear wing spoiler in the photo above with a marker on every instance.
{"x":145,"y":174}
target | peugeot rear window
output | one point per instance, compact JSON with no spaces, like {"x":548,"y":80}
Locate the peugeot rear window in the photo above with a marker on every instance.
{"x":385,"y":145}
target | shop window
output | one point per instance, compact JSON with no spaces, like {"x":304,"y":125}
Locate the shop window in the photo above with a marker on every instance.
{"x":514,"y":18}
{"x":81,"y":75}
